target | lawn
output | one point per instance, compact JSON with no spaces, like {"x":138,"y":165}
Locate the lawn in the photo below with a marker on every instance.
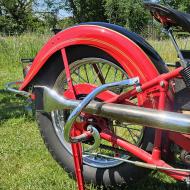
{"x":24,"y":161}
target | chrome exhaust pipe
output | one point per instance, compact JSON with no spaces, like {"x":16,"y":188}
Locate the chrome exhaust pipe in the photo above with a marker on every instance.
{"x":165,"y":120}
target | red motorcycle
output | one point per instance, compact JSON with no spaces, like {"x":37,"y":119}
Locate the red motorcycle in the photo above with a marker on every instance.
{"x":108,"y":108}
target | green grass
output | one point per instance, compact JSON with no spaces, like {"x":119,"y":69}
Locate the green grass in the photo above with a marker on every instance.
{"x":166,"y":49}
{"x":25,"y":163}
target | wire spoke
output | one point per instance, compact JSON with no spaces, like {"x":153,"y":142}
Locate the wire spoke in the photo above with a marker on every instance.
{"x":122,"y":77}
{"x":80,"y":77}
{"x":98,"y":73}
{"x":92,"y":69}
{"x":134,"y":129}
{"x":134,"y":133}
{"x":73,"y":80}
{"x":127,"y":127}
{"x":115,"y":74}
{"x":132,"y":136}
{"x":86,"y":73}
{"x":107,"y":72}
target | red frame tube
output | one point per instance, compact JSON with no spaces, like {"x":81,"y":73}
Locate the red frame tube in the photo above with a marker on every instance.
{"x":76,"y":148}
{"x":143,"y":155}
{"x":161,"y":83}
{"x":156,"y":153}
{"x":147,"y":85}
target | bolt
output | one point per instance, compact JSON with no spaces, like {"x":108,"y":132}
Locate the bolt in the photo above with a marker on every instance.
{"x":90,"y":119}
{"x":162,"y":84}
{"x":187,"y":158}
{"x":138,"y":88}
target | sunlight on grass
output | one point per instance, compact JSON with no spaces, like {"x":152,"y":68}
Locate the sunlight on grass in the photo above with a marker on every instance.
{"x":166,"y":49}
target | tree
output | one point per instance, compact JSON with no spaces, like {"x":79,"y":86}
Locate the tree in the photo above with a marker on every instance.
{"x":137,"y":16}
{"x":129,"y":13}
{"x":84,"y":11}
{"x":16,"y":15}
{"x":183,"y":5}
{"x":116,"y":12}
{"x":51,"y":11}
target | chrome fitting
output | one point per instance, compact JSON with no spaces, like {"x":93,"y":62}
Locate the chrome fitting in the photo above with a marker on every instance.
{"x":138,"y":88}
{"x":96,"y":136}
{"x":76,"y":112}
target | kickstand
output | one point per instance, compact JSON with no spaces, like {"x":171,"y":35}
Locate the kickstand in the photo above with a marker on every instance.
{"x":78,"y":163}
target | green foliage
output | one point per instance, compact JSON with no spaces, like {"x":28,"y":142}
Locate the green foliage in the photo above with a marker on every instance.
{"x":66,"y":22}
{"x":85,"y":11}
{"x":116,"y":11}
{"x":16,"y":15}
{"x":137,"y":16}
{"x":183,"y":5}
{"x":50,"y":15}
{"x":129,"y":13}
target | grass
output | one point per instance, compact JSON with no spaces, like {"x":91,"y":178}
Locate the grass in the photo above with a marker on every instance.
{"x":24,"y":161}
{"x":166,"y":49}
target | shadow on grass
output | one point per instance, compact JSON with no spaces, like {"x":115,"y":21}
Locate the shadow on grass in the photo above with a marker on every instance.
{"x":155,"y":183}
{"x":13,"y":106}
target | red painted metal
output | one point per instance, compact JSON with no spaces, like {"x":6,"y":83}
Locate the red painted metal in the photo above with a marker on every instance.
{"x":183,"y":140}
{"x":76,"y":148}
{"x":68,"y":74}
{"x":147,"y":85}
{"x":86,"y":88}
{"x":156,"y":153}
{"x":141,"y":154}
{"x":126,"y":52}
{"x":77,"y":157}
{"x":135,"y":62}
{"x":155,"y":157}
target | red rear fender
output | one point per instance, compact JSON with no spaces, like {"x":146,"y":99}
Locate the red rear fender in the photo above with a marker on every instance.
{"x":131,"y":57}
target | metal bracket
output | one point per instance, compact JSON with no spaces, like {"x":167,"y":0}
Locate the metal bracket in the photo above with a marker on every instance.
{"x":76,"y":112}
{"x":169,"y":32}
{"x":9,"y":87}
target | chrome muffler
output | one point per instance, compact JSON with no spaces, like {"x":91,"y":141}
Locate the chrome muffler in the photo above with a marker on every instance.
{"x":171,"y":121}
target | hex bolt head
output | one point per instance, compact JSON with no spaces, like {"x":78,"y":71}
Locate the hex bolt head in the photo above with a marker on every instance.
{"x":162,"y":84}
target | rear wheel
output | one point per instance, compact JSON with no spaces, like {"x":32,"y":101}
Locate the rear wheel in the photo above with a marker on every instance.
{"x":96,"y":69}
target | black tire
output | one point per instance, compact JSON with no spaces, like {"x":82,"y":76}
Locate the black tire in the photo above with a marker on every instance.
{"x":119,"y":175}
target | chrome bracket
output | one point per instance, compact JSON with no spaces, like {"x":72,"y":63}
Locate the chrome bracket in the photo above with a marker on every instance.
{"x":9,"y":87}
{"x":76,"y":112}
{"x":169,"y":32}
{"x":96,"y":137}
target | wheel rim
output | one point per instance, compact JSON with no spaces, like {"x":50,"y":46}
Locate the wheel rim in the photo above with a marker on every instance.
{"x":95,"y":71}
